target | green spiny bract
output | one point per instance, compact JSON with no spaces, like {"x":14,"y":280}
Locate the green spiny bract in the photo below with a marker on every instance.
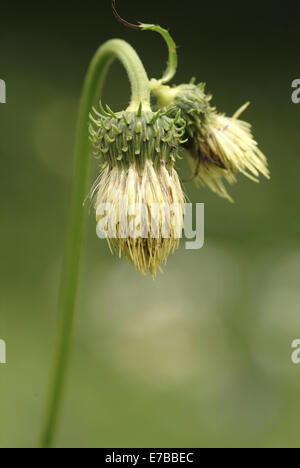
{"x":126,"y":138}
{"x":218,"y":146}
{"x":195,"y":108}
{"x":198,"y":114}
{"x":138,"y":151}
{"x":192,"y":102}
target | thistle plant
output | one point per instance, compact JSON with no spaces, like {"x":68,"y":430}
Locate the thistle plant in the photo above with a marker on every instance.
{"x":138,"y":149}
{"x":218,"y":147}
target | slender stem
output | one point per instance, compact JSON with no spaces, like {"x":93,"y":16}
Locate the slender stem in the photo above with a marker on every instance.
{"x":172,"y":59}
{"x":70,"y":275}
{"x":121,"y":20}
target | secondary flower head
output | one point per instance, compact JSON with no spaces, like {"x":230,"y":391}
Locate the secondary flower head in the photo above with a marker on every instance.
{"x":219,"y":147}
{"x":140,"y":202}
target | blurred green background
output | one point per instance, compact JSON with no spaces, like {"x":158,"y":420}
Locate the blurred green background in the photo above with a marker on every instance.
{"x":202,"y":356}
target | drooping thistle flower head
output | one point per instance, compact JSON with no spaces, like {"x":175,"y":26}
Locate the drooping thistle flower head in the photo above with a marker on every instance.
{"x":219,"y":147}
{"x":139,"y":199}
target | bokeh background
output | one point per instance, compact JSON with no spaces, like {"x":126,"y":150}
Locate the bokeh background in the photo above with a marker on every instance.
{"x":202,"y":356}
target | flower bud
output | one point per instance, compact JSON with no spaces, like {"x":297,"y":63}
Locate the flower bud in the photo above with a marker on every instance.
{"x":218,"y":146}
{"x":140,"y":202}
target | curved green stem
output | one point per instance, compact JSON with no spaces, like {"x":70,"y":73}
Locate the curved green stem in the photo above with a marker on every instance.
{"x":172,"y":60}
{"x":95,"y":77}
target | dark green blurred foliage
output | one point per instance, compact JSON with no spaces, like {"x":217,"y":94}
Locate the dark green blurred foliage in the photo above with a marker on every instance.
{"x":201,"y":356}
